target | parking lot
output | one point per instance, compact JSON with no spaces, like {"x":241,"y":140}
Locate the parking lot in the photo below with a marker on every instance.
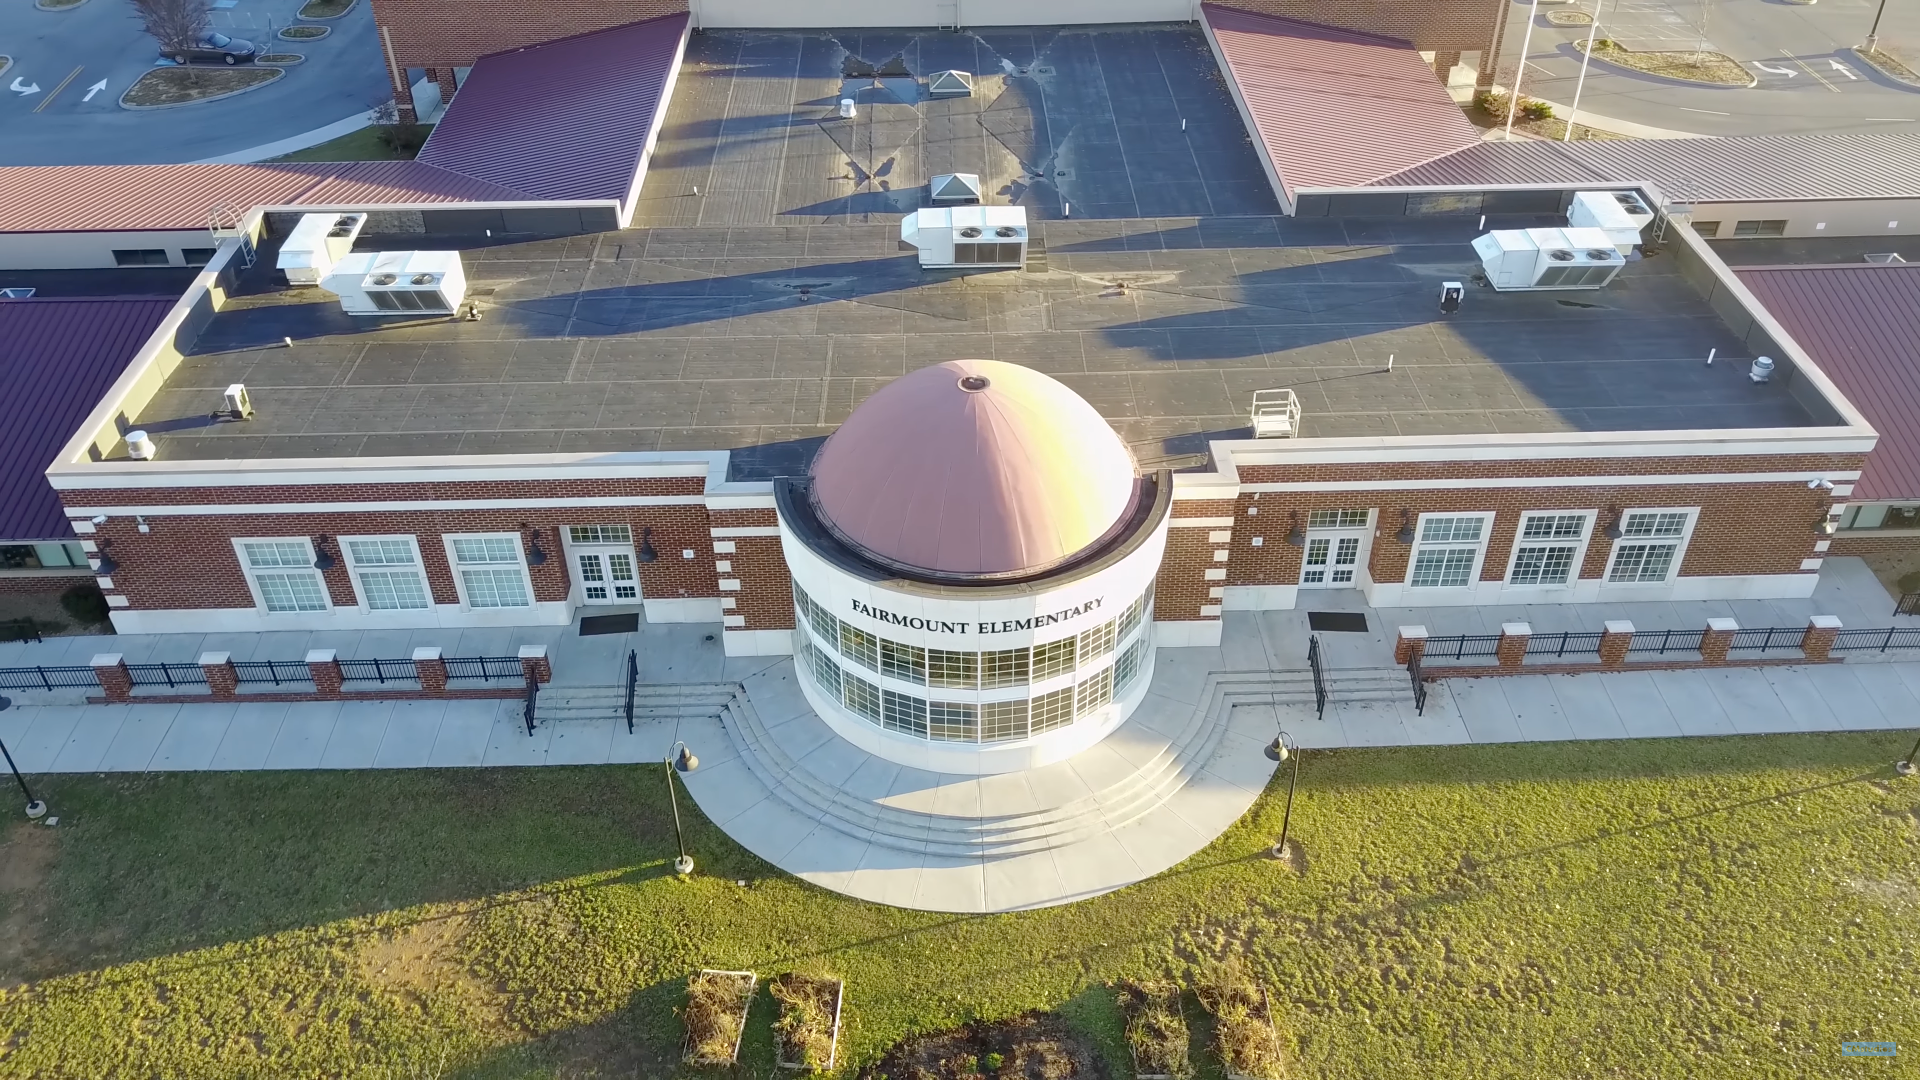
{"x":60,"y":99}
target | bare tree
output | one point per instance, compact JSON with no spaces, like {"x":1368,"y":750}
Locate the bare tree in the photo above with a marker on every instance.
{"x":175,"y":24}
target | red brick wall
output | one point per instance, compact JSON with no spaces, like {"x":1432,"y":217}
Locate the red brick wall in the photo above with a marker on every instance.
{"x":1182,"y":588}
{"x":1429,"y":24}
{"x":43,"y":583}
{"x":434,"y":33}
{"x":1867,"y":544}
{"x":765,"y":596}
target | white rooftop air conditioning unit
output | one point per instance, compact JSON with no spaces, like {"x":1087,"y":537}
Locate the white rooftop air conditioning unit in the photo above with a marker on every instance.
{"x":399,"y":282}
{"x":316,"y":244}
{"x":968,"y":236}
{"x":1518,"y":260}
{"x":1620,"y":214}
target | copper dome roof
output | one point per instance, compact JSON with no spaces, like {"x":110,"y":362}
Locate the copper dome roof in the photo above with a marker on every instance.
{"x":974,"y":467}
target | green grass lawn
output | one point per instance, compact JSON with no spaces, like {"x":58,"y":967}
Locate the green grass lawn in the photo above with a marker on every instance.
{"x":362,"y":145}
{"x":1713,"y":908}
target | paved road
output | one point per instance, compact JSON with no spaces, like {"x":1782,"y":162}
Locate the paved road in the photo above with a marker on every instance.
{"x":1808,"y":83}
{"x":101,"y":39}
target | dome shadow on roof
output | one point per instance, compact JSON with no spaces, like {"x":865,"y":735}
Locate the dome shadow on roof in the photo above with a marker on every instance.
{"x":974,"y":467}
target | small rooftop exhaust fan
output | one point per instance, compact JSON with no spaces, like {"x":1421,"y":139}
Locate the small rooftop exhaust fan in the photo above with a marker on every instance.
{"x":399,"y":282}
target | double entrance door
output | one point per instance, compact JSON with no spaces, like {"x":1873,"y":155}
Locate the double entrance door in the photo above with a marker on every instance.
{"x":1335,"y":548}
{"x":604,"y":563}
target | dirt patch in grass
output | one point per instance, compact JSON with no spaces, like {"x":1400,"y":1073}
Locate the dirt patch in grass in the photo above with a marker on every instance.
{"x":180,"y":85}
{"x":808,"y":1004}
{"x":1034,"y":1046}
{"x":716,"y":1015}
{"x":425,"y":963}
{"x":26,"y":860}
{"x":1156,"y":1031}
{"x":326,"y":9}
{"x":1889,"y":65}
{"x":1710,"y":68}
{"x":305,"y":33}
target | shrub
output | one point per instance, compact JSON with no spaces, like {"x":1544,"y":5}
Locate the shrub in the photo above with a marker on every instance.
{"x":1495,"y":105}
{"x":405,"y":139}
{"x":1243,"y":1029}
{"x":86,"y":603}
{"x":993,"y":1062}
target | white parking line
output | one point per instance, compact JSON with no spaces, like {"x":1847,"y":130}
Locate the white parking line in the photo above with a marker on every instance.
{"x":1709,"y":112}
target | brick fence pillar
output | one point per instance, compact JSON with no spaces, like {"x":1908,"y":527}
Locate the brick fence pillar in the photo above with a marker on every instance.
{"x":1818,"y":640}
{"x":533,"y":663}
{"x":1512,"y":649}
{"x":431,"y":667}
{"x":1713,"y":643}
{"x":222,"y":679}
{"x":1444,"y":63}
{"x":115,"y":679}
{"x":324,"y":666}
{"x":1411,"y":645}
{"x":1616,"y":638}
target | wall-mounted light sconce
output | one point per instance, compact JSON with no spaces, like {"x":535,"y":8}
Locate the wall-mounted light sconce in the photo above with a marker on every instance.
{"x":647,"y":554}
{"x":1614,"y":531}
{"x":141,"y":524}
{"x":1826,"y":526}
{"x":1294,"y":537}
{"x":322,"y":558}
{"x":1819,"y":483}
{"x":1405,"y":535}
{"x":107,"y":565}
{"x":535,"y":556}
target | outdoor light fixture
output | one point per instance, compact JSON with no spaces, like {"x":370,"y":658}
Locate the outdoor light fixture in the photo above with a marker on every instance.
{"x":1284,"y":749}
{"x":1819,"y":483}
{"x":1908,"y":767}
{"x":647,"y":554}
{"x":535,"y":557}
{"x":1825,"y":526}
{"x":1613,"y":527}
{"x":322,"y":558}
{"x":685,"y":762}
{"x":107,"y":565}
{"x":35,"y":808}
{"x":1294,"y":539}
{"x":1405,"y":535}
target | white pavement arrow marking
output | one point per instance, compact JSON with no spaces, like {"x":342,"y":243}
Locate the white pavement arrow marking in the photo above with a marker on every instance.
{"x":94,"y":89}
{"x":1774,"y":70}
{"x":1843,"y":69}
{"x":23,"y":90}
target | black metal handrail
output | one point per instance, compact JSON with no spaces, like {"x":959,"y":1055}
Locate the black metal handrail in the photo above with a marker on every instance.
{"x":1319,"y":676}
{"x":1775,"y":637}
{"x":533,"y":692}
{"x":1908,"y":604}
{"x":633,"y":678}
{"x":47,"y":678}
{"x":1460,"y":646}
{"x":277,"y":672}
{"x":484,"y":667}
{"x":171,"y":675}
{"x":378,"y":670}
{"x":1563,"y":643}
{"x":1419,"y":685}
{"x":1665,"y":641}
{"x":1893,"y":637}
{"x":22,"y":629}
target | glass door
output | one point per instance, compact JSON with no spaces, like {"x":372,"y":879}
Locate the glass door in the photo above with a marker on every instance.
{"x":1332,"y":558}
{"x":606,"y":577}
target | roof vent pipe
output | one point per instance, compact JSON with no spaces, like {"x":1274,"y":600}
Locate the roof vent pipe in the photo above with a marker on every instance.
{"x":140,"y":446}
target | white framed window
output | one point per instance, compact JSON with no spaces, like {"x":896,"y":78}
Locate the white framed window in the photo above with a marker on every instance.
{"x":280,"y":572}
{"x":1652,"y":543}
{"x":1447,"y":550}
{"x":490,"y":570}
{"x":1549,"y":547}
{"x":386,"y":572}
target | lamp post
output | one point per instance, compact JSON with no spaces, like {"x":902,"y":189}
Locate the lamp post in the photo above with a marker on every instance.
{"x":35,"y":808}
{"x":685,"y":763}
{"x":1283,"y":749}
{"x":1585,"y":57}
{"x":1873,"y":42}
{"x":1520,"y":72}
{"x":1912,"y":763}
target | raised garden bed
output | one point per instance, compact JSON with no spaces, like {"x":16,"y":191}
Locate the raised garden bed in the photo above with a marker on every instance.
{"x":1032,"y":1046}
{"x":807,"y":1031}
{"x":716,"y":1015}
{"x":1888,"y":65}
{"x":1156,"y":1030}
{"x":1569,"y":18}
{"x":280,"y":59}
{"x":305,"y":33}
{"x":326,"y":9}
{"x":1244,"y":1034}
{"x":1705,"y":68}
{"x":163,"y":87}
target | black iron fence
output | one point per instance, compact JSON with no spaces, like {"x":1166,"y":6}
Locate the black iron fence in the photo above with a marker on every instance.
{"x":1462,"y":646}
{"x":1893,"y":637}
{"x":1775,"y":637}
{"x":485,"y":667}
{"x":1659,"y":642}
{"x":257,"y":672}
{"x":1666,"y":641}
{"x":47,"y":678}
{"x":277,"y":672}
{"x":1908,"y":605}
{"x":170,"y":675}
{"x":380,"y":671}
{"x":1564,"y":644}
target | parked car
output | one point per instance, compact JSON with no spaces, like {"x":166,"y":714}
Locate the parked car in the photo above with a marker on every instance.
{"x":213,"y":46}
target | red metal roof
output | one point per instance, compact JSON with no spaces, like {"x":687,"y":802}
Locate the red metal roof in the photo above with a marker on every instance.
{"x":1861,"y":324}
{"x":57,"y":357}
{"x":566,"y":120}
{"x":1335,"y":108}
{"x":97,"y":198}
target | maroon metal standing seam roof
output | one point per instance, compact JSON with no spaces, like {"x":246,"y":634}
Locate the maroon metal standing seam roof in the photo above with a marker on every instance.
{"x":565,"y":120}
{"x":1861,"y":324}
{"x":1335,"y":108}
{"x":102,"y":198}
{"x":57,"y":357}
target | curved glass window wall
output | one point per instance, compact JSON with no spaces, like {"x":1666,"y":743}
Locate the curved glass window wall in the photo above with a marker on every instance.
{"x":843,"y":659}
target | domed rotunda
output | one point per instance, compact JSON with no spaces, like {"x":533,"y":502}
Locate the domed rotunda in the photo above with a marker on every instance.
{"x":973,"y":555}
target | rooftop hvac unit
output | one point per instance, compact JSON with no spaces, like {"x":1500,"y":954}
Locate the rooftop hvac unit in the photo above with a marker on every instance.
{"x":398,"y":282}
{"x":316,"y":244}
{"x":1517,"y":260}
{"x":1620,"y":214}
{"x":968,"y":236}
